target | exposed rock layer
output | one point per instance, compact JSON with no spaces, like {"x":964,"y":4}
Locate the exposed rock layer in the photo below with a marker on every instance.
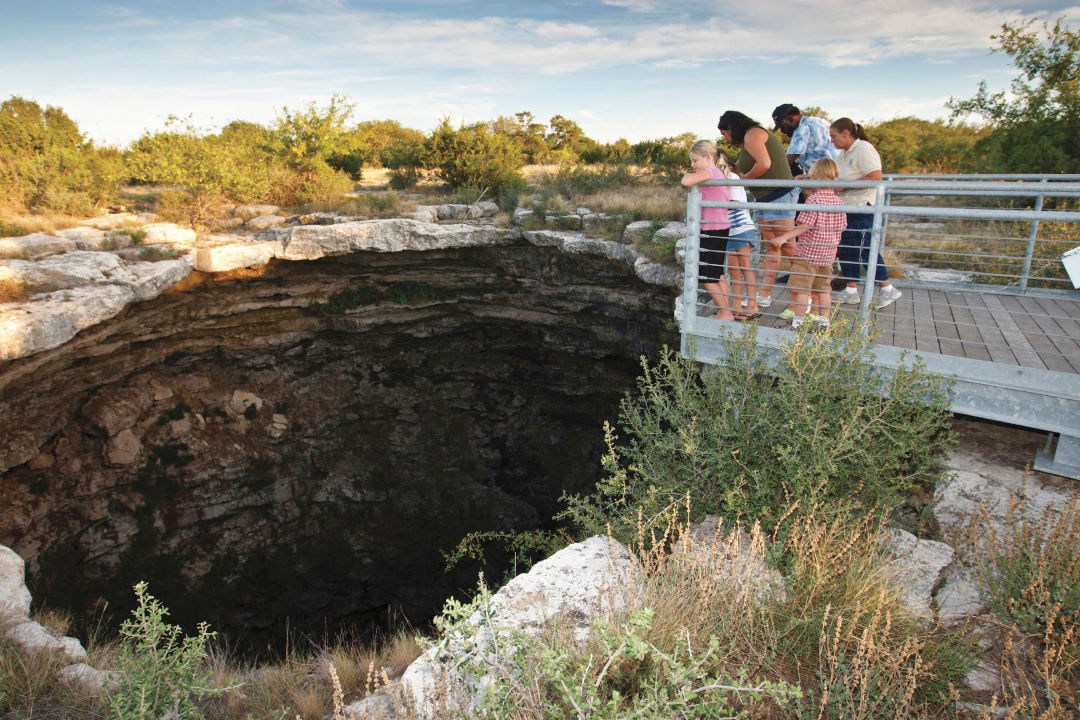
{"x":301,"y":439}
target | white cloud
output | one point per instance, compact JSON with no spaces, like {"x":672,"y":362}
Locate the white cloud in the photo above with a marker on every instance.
{"x":635,"y":5}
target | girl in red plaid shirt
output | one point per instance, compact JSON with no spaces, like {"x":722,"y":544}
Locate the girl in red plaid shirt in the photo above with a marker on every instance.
{"x":819,"y":235}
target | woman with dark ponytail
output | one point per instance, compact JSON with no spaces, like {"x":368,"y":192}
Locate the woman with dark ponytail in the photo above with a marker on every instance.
{"x":763,"y":157}
{"x":858,"y":160}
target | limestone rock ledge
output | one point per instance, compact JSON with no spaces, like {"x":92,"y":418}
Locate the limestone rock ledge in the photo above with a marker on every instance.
{"x":63,"y":294}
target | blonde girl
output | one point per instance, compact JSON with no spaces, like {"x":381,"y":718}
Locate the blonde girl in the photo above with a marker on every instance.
{"x":714,"y":225}
{"x":741,"y":234}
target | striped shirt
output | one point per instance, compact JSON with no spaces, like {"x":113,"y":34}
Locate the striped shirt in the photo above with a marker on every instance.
{"x":817,"y":246}
{"x":739,"y":219}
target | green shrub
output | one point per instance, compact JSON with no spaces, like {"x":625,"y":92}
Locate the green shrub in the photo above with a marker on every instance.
{"x":160,"y":669}
{"x":473,"y":156}
{"x":405,"y":158}
{"x":822,"y":428}
{"x":46,"y":163}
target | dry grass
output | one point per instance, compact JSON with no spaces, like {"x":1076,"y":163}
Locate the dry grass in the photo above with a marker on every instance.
{"x":837,"y":630}
{"x":46,"y":222}
{"x":305,"y":685}
{"x":1030,"y":571}
{"x":372,"y":205}
{"x":12,"y":287}
{"x":652,"y":201}
{"x":30,"y":686}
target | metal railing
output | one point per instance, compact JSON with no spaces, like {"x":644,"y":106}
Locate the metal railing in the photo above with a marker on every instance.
{"x":987,"y":299}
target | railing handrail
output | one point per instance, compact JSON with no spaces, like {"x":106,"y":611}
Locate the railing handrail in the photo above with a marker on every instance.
{"x":917,"y":211}
{"x":940,"y":187}
{"x":1037,"y":177}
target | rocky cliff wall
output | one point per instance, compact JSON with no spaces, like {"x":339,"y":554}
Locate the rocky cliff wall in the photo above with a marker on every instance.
{"x":303,"y":439}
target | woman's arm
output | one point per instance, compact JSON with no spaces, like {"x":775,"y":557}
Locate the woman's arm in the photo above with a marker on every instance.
{"x":754,"y":142}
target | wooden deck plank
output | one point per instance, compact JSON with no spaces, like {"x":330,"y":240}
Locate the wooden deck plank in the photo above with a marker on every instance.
{"x":944,"y":324}
{"x":925,"y":335}
{"x":994,"y":342}
{"x":903,"y":321}
{"x":1017,"y":339}
{"x":966,"y":327}
{"x":1050,"y":319}
{"x":1035,"y":333}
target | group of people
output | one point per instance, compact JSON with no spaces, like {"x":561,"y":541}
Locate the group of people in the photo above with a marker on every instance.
{"x":810,"y":240}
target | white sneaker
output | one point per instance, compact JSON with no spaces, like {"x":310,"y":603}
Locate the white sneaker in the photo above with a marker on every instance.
{"x":744,"y":302}
{"x":887,"y":296}
{"x":849,"y":298}
{"x":763,"y":302}
{"x":796,"y":323}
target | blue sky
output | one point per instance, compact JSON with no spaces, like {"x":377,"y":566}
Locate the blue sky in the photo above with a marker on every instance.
{"x":620,"y":68}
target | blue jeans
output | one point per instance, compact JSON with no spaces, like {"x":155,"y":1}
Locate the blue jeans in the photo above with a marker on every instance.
{"x":767,"y":216}
{"x":854,"y":251}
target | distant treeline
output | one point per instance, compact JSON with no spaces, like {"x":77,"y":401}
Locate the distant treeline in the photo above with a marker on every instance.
{"x":316,"y":153}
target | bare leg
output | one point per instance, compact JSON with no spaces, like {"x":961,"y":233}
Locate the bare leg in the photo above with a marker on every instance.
{"x":799,"y":302}
{"x":743,"y":279}
{"x":773,"y":251}
{"x":718,"y":291}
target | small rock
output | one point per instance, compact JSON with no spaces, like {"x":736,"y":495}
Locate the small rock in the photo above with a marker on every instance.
{"x":520,"y":214}
{"x":567,"y":222}
{"x":918,"y":567}
{"x":35,"y":245}
{"x":88,"y":680}
{"x":168,"y":234}
{"x":985,"y":677}
{"x":425,"y":213}
{"x":265,"y":222}
{"x":180,"y":428}
{"x":32,"y":636}
{"x":122,"y":449}
{"x":246,"y":212}
{"x":161,"y":390}
{"x":241,"y":400}
{"x":638,"y":232}
{"x":228,"y":223}
{"x":958,"y":599}
{"x":279,"y":419}
{"x":14,"y":597}
{"x":43,"y":461}
{"x":377,"y":706}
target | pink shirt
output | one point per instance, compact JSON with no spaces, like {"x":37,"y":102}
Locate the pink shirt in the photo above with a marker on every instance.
{"x":715,"y":218}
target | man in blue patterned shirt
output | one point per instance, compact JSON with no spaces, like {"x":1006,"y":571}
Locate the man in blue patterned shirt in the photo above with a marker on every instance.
{"x":809,"y":138}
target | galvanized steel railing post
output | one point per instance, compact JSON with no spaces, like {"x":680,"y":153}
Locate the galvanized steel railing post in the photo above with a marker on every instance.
{"x":1031,"y":241}
{"x":877,"y":235}
{"x":690,"y":265}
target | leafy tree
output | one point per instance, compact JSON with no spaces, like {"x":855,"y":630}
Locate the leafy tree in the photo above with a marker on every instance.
{"x":46,"y":162}
{"x":306,"y":138}
{"x":405,"y":158}
{"x":473,"y":155}
{"x":529,"y":135}
{"x":668,"y":157}
{"x":909,"y":144}
{"x":231,"y":165}
{"x":1035,"y":125}
{"x":370,"y":143}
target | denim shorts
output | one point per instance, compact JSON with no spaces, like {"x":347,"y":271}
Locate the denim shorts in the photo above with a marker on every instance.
{"x":741,"y":240}
{"x":792,"y":197}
